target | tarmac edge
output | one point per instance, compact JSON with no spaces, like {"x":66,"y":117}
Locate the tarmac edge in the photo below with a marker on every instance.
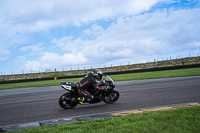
{"x":94,"y":116}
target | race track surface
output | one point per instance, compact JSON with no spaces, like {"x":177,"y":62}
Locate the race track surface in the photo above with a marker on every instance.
{"x":41,"y":103}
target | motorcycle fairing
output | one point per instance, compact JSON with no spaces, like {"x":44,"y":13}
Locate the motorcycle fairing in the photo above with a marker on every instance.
{"x":68,"y":85}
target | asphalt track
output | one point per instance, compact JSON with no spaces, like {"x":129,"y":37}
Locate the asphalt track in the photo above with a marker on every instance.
{"x":36,"y":104}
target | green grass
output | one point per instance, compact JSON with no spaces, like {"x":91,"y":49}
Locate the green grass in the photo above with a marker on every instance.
{"x":121,"y":77}
{"x":182,"y":120}
{"x":158,"y":74}
{"x":35,"y":83}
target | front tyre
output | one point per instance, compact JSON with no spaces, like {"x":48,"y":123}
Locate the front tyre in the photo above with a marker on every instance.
{"x":66,"y":102}
{"x":111,"y":97}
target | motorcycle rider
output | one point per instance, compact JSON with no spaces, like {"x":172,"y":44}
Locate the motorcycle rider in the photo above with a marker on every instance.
{"x":89,"y":81}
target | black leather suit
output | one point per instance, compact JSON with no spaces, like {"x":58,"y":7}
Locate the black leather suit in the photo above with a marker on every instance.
{"x":88,"y":82}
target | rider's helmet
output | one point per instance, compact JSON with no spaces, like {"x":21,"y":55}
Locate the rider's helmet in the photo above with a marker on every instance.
{"x":98,"y":74}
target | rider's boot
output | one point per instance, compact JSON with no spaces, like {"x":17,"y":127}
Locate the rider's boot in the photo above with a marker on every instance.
{"x":81,"y":100}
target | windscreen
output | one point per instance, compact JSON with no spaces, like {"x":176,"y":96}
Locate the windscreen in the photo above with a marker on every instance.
{"x":109,"y":79}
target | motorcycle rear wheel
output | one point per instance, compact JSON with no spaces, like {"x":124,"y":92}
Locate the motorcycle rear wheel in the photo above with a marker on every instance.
{"x":111,"y":97}
{"x":65,"y":101}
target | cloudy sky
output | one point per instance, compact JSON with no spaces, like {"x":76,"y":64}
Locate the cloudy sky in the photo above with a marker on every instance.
{"x":36,"y":35}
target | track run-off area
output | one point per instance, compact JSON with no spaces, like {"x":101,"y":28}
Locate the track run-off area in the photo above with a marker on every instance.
{"x":26,"y":105}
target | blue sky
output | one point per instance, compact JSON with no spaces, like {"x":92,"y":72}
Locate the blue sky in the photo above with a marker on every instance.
{"x":65,"y":34}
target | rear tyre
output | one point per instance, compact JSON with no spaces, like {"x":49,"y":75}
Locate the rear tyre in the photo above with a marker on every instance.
{"x":66,"y":102}
{"x":111,"y":97}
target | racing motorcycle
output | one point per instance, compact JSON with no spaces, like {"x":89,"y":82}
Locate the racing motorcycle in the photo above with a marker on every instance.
{"x":106,"y":93}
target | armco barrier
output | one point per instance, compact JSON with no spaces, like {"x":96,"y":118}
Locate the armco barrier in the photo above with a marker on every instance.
{"x":108,"y":73}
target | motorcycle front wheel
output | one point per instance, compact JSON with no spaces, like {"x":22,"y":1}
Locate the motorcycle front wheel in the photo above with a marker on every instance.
{"x":66,"y":102}
{"x":111,"y":97}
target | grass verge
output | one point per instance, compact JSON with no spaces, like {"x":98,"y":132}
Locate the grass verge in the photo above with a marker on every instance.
{"x":121,"y":77}
{"x":181,"y":120}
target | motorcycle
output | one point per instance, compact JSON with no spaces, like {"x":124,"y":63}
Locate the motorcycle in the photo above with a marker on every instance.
{"x":106,"y":93}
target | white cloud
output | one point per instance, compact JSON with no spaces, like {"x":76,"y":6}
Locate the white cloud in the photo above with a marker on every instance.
{"x":32,"y":48}
{"x":4,"y":55}
{"x":67,"y":44}
{"x":95,"y":30}
{"x":42,"y":15}
{"x":130,"y":35}
{"x":158,"y":33}
{"x":19,"y":20}
{"x":53,"y":60}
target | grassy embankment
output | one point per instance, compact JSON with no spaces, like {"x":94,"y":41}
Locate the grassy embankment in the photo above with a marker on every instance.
{"x":182,"y":120}
{"x":155,"y":64}
{"x":121,"y":77}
